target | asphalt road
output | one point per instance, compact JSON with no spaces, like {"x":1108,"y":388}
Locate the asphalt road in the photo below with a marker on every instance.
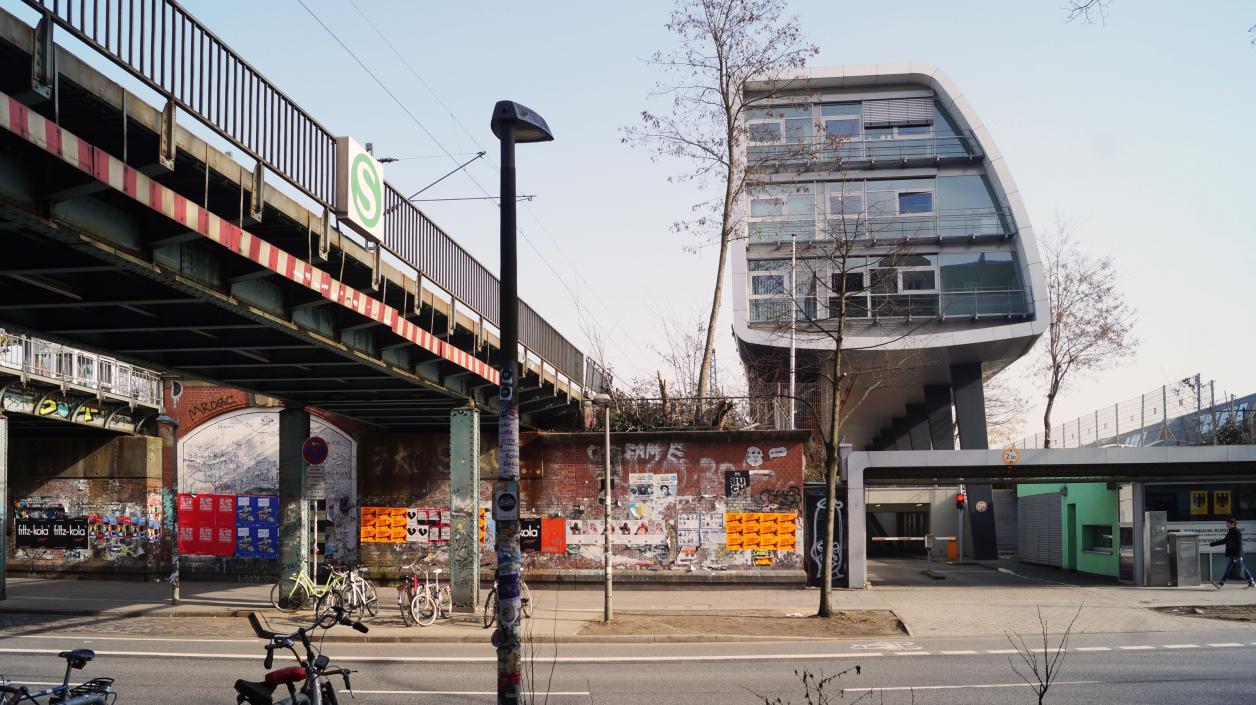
{"x":1204,"y":667}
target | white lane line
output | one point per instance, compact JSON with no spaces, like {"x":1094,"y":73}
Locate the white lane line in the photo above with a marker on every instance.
{"x":576,"y":693}
{"x":1137,"y":648}
{"x":1093,"y":648}
{"x":957,"y":653}
{"x":1001,"y":651}
{"x":1225,"y":644}
{"x":857,"y":691}
{"x":485,"y":659}
{"x":101,"y":637}
{"x":1181,"y":646}
{"x":910,"y":653}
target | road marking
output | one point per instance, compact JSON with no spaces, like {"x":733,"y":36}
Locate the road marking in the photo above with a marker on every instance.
{"x":484,"y":659}
{"x":911,"y":653}
{"x":1093,"y":648}
{"x":857,"y":691}
{"x":1002,"y":651}
{"x":1225,"y":644}
{"x":957,"y":653}
{"x":1181,"y":646}
{"x":1137,"y":648}
{"x":577,"y":693}
{"x":90,"y":637}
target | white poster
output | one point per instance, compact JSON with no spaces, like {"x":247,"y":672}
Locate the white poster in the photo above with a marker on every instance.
{"x":584,"y":533}
{"x":1210,"y":531}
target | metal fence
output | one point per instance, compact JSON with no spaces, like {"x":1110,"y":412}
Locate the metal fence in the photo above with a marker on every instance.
{"x":1187,"y":412}
{"x":25,"y":355}
{"x":164,"y":46}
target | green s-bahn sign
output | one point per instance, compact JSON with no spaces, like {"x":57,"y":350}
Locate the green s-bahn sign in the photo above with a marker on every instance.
{"x":359,"y":188}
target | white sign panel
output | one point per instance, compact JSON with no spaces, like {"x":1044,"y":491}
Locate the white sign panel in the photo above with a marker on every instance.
{"x":316,"y":482}
{"x":359,"y":188}
{"x":1210,"y":531}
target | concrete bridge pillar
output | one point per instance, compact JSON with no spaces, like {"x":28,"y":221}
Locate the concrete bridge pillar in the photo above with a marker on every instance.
{"x":294,"y":509}
{"x":941,"y":423}
{"x":464,"y":509}
{"x":918,"y":427}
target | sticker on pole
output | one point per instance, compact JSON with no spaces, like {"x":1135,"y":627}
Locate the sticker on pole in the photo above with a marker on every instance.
{"x":314,"y":450}
{"x":981,"y":505}
{"x":506,"y":501}
{"x":359,"y":188}
{"x":1010,"y":456}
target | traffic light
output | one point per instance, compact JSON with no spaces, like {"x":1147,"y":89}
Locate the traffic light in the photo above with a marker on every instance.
{"x":959,"y":501}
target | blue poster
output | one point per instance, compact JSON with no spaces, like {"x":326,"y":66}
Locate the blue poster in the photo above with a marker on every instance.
{"x":257,"y":526}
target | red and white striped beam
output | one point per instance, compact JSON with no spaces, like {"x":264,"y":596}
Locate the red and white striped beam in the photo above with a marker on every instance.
{"x":47,"y":135}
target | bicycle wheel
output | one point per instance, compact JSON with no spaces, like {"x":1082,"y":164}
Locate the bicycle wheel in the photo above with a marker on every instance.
{"x":403,"y":603}
{"x":423,"y":609}
{"x":327,"y":601}
{"x":371,"y":598}
{"x":490,"y":608}
{"x":525,"y":599}
{"x":288,"y":595}
{"x":445,"y":600}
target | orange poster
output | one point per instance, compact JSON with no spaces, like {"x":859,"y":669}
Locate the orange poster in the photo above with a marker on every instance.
{"x":761,"y":531}
{"x":554,"y":535}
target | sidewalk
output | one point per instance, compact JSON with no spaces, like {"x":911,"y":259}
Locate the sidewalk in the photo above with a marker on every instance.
{"x":975,"y":600}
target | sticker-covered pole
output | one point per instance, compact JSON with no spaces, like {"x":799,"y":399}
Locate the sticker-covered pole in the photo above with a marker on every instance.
{"x":507,"y":636}
{"x":511,"y":123}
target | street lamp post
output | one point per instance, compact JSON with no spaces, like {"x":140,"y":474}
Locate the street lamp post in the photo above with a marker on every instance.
{"x":512,"y":123}
{"x":604,"y":401}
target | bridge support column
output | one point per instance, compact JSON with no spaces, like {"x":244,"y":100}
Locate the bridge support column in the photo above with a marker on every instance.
{"x":464,"y":509}
{"x":970,"y":412}
{"x":901,"y":434}
{"x":941,"y":422}
{"x":167,"y":431}
{"x":294,"y":510}
{"x":4,"y":504}
{"x":918,"y":427}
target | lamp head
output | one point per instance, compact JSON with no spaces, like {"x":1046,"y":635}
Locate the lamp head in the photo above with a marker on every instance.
{"x":529,"y":126}
{"x":602,"y":399}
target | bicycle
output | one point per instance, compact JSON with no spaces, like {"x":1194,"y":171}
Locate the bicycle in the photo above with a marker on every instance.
{"x":97,"y":691}
{"x":293,"y":592}
{"x":490,"y":603}
{"x":431,"y":600}
{"x":412,"y":597}
{"x":354,"y":593}
{"x":312,"y":671}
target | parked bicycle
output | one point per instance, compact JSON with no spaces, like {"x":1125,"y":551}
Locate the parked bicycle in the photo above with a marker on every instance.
{"x":307,"y":683}
{"x":490,"y":604}
{"x":431,"y":599}
{"x":298,"y":591}
{"x":354,"y":593}
{"x":412,"y":596}
{"x":97,"y":691}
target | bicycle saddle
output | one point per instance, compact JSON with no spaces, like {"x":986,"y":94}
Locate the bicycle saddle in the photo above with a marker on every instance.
{"x":78,"y":658}
{"x":263,"y":693}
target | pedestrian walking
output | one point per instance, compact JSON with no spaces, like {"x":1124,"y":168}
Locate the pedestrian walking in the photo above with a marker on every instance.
{"x":1234,"y":552}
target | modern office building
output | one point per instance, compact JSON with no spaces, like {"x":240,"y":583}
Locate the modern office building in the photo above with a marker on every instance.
{"x":880,"y":185}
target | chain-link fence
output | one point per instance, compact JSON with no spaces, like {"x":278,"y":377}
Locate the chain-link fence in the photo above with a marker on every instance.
{"x":1187,"y":412}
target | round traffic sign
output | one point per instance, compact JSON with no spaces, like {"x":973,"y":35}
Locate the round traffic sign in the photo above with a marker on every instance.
{"x":314,"y":450}
{"x":981,"y":505}
{"x":1011,"y":456}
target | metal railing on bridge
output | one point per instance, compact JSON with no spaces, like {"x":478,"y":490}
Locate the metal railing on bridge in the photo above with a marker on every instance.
{"x":164,"y":46}
{"x":25,"y":355}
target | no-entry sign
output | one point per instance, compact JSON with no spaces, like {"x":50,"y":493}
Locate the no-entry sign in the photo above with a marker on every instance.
{"x":314,"y":450}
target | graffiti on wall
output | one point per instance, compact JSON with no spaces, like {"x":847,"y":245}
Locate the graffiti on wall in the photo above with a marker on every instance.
{"x":238,"y":454}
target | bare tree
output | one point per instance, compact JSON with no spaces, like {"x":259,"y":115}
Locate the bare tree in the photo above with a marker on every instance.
{"x":848,"y":275}
{"x":1005,"y":410}
{"x":1042,"y":665}
{"x":724,"y":44}
{"x":1087,"y":11}
{"x":1091,"y":327}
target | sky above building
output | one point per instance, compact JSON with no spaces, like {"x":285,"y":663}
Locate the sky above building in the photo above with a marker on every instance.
{"x":1132,"y":130}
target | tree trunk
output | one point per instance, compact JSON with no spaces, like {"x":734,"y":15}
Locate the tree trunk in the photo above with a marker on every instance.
{"x":708,"y":350}
{"x":1052,"y":391}
{"x":726,"y":221}
{"x":832,"y":470}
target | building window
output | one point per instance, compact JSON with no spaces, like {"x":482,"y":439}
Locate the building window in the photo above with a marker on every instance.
{"x":781,"y":212}
{"x":852,"y":283}
{"x":982,"y":283}
{"x":788,"y":124}
{"x":1097,"y":538}
{"x":915,"y":202}
{"x":768,"y":301}
{"x":904,"y":286}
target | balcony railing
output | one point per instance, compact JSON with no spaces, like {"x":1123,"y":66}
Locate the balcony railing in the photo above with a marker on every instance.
{"x":946,"y":305}
{"x":863,"y":152}
{"x":23,"y":354}
{"x":938,"y":224}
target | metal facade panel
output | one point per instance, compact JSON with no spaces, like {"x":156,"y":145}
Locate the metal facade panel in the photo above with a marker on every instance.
{"x":1038,"y":534}
{"x":900,"y":111}
{"x":1005,"y":519}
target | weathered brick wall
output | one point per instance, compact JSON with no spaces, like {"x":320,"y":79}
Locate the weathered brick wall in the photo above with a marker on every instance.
{"x":114,"y":479}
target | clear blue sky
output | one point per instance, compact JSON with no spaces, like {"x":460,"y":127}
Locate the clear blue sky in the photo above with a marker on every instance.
{"x":1138,"y":130}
